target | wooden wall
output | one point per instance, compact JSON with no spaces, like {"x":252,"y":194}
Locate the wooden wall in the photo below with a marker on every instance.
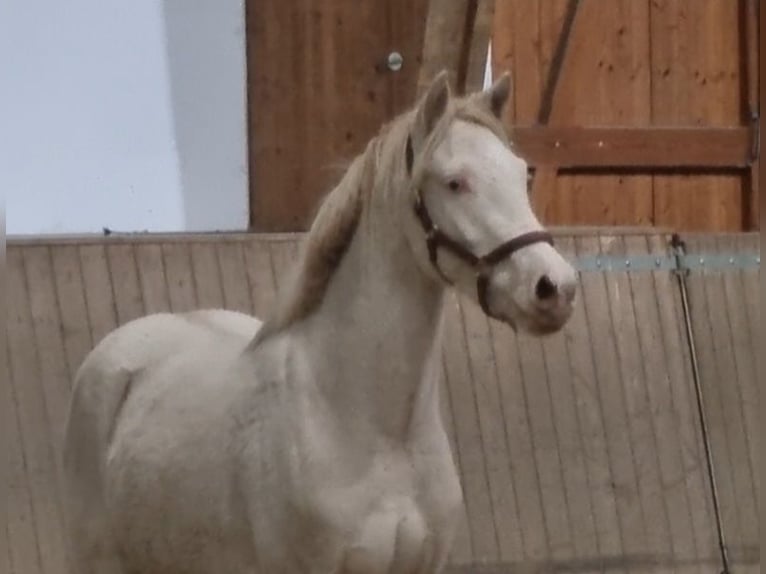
{"x":634,"y":63}
{"x":319,"y":90}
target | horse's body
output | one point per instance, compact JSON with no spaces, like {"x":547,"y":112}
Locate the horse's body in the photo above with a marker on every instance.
{"x":196,"y":446}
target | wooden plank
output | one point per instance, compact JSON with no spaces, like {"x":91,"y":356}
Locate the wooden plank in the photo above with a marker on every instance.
{"x":479,"y":33}
{"x":569,"y":437}
{"x":750,"y":29}
{"x":634,"y":147}
{"x":260,"y":273}
{"x":207,"y":275}
{"x":643,"y":434}
{"x":406,"y":26}
{"x":581,"y":395}
{"x":444,"y":42}
{"x":608,"y":49}
{"x":317,"y":89}
{"x":474,"y":475}
{"x":123,"y":270}
{"x":696,"y":81}
{"x":683,"y":403}
{"x":494,"y":437}
{"x":151,"y":272}
{"x":659,"y":404}
{"x":545,"y":447}
{"x":613,"y":412}
{"x":236,"y":290}
{"x":729,"y":397}
{"x":33,"y":423}
{"x":99,"y":297}
{"x":461,"y":546}
{"x":23,"y":552}
{"x":713,"y":408}
{"x":52,"y":362}
{"x":284,"y":258}
{"x":521,"y":452}
{"x":179,"y":277}
{"x":70,"y":289}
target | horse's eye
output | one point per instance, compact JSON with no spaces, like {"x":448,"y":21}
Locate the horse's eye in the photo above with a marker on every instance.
{"x":454,"y":184}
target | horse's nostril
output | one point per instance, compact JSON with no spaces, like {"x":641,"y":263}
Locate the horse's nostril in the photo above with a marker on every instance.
{"x":545,"y":288}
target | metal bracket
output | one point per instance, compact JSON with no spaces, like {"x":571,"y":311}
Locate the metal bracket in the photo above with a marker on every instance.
{"x":678,"y":262}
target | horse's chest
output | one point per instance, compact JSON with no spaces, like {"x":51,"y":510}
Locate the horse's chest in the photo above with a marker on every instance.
{"x":391,"y":523}
{"x":395,"y":537}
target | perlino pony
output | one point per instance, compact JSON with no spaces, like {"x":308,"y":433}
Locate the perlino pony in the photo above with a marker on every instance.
{"x":206,"y":442}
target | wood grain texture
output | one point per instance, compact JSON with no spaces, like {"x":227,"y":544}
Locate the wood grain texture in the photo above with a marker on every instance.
{"x":634,"y":64}
{"x":632,"y":148}
{"x":695,"y":66}
{"x":579,"y":451}
{"x":727,"y":356}
{"x":318,"y":90}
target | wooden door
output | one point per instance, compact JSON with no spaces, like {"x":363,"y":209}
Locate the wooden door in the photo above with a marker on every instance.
{"x":319,"y":89}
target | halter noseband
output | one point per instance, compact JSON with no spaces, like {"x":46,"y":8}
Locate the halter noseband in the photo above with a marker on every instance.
{"x":436,"y":238}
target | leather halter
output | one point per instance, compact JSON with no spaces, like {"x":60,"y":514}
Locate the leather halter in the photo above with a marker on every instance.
{"x":436,"y":238}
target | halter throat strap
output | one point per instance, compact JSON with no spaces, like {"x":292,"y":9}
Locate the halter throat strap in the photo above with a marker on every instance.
{"x":483,"y":265}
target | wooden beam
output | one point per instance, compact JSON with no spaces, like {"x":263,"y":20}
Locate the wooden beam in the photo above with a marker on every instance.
{"x":456,"y":39}
{"x":624,"y":147}
{"x":749,"y":28}
{"x":543,"y":185}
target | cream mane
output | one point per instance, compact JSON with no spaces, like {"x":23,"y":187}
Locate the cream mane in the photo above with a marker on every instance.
{"x":338,"y":217}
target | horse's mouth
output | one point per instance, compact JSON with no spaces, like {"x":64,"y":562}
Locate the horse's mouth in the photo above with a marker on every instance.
{"x":538,"y":323}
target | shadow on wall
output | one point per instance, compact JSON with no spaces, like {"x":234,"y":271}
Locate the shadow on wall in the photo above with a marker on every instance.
{"x":205,"y":44}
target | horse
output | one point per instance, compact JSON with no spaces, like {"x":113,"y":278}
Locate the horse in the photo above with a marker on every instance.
{"x":312,"y":441}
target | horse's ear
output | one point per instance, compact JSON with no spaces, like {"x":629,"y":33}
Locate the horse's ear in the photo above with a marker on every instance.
{"x":496,"y":97}
{"x":433,"y":105}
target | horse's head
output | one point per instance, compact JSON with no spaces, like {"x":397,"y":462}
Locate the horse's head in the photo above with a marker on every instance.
{"x":469,"y":218}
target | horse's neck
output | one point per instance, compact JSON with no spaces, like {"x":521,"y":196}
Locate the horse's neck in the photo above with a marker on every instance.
{"x":373,"y":342}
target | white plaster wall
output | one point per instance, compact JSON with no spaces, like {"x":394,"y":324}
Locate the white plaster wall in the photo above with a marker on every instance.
{"x":125,"y":115}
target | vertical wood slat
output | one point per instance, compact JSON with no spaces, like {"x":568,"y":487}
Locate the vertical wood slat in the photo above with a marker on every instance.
{"x":461,"y":552}
{"x":643,"y":436}
{"x":608,"y":382}
{"x":99,"y":296}
{"x":521,"y":453}
{"x":38,"y":454}
{"x":453,"y":369}
{"x":207,"y":275}
{"x":696,"y":81}
{"x":468,"y":436}
{"x":660,"y":405}
{"x":23,"y":552}
{"x":731,"y":397}
{"x":545,"y":447}
{"x":151,"y":271}
{"x":684,"y":409}
{"x":123,"y":273}
{"x":260,"y":272}
{"x":570,"y":438}
{"x":750,"y":30}
{"x":236,"y":289}
{"x":72,"y":305}
{"x":179,"y":277}
{"x":591,"y":430}
{"x":505,"y":538}
{"x":318,"y":90}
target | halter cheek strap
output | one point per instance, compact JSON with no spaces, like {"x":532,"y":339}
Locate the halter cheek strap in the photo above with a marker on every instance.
{"x":483,"y":265}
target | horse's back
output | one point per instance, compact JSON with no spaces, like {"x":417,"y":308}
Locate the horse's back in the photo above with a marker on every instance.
{"x":126,"y":358}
